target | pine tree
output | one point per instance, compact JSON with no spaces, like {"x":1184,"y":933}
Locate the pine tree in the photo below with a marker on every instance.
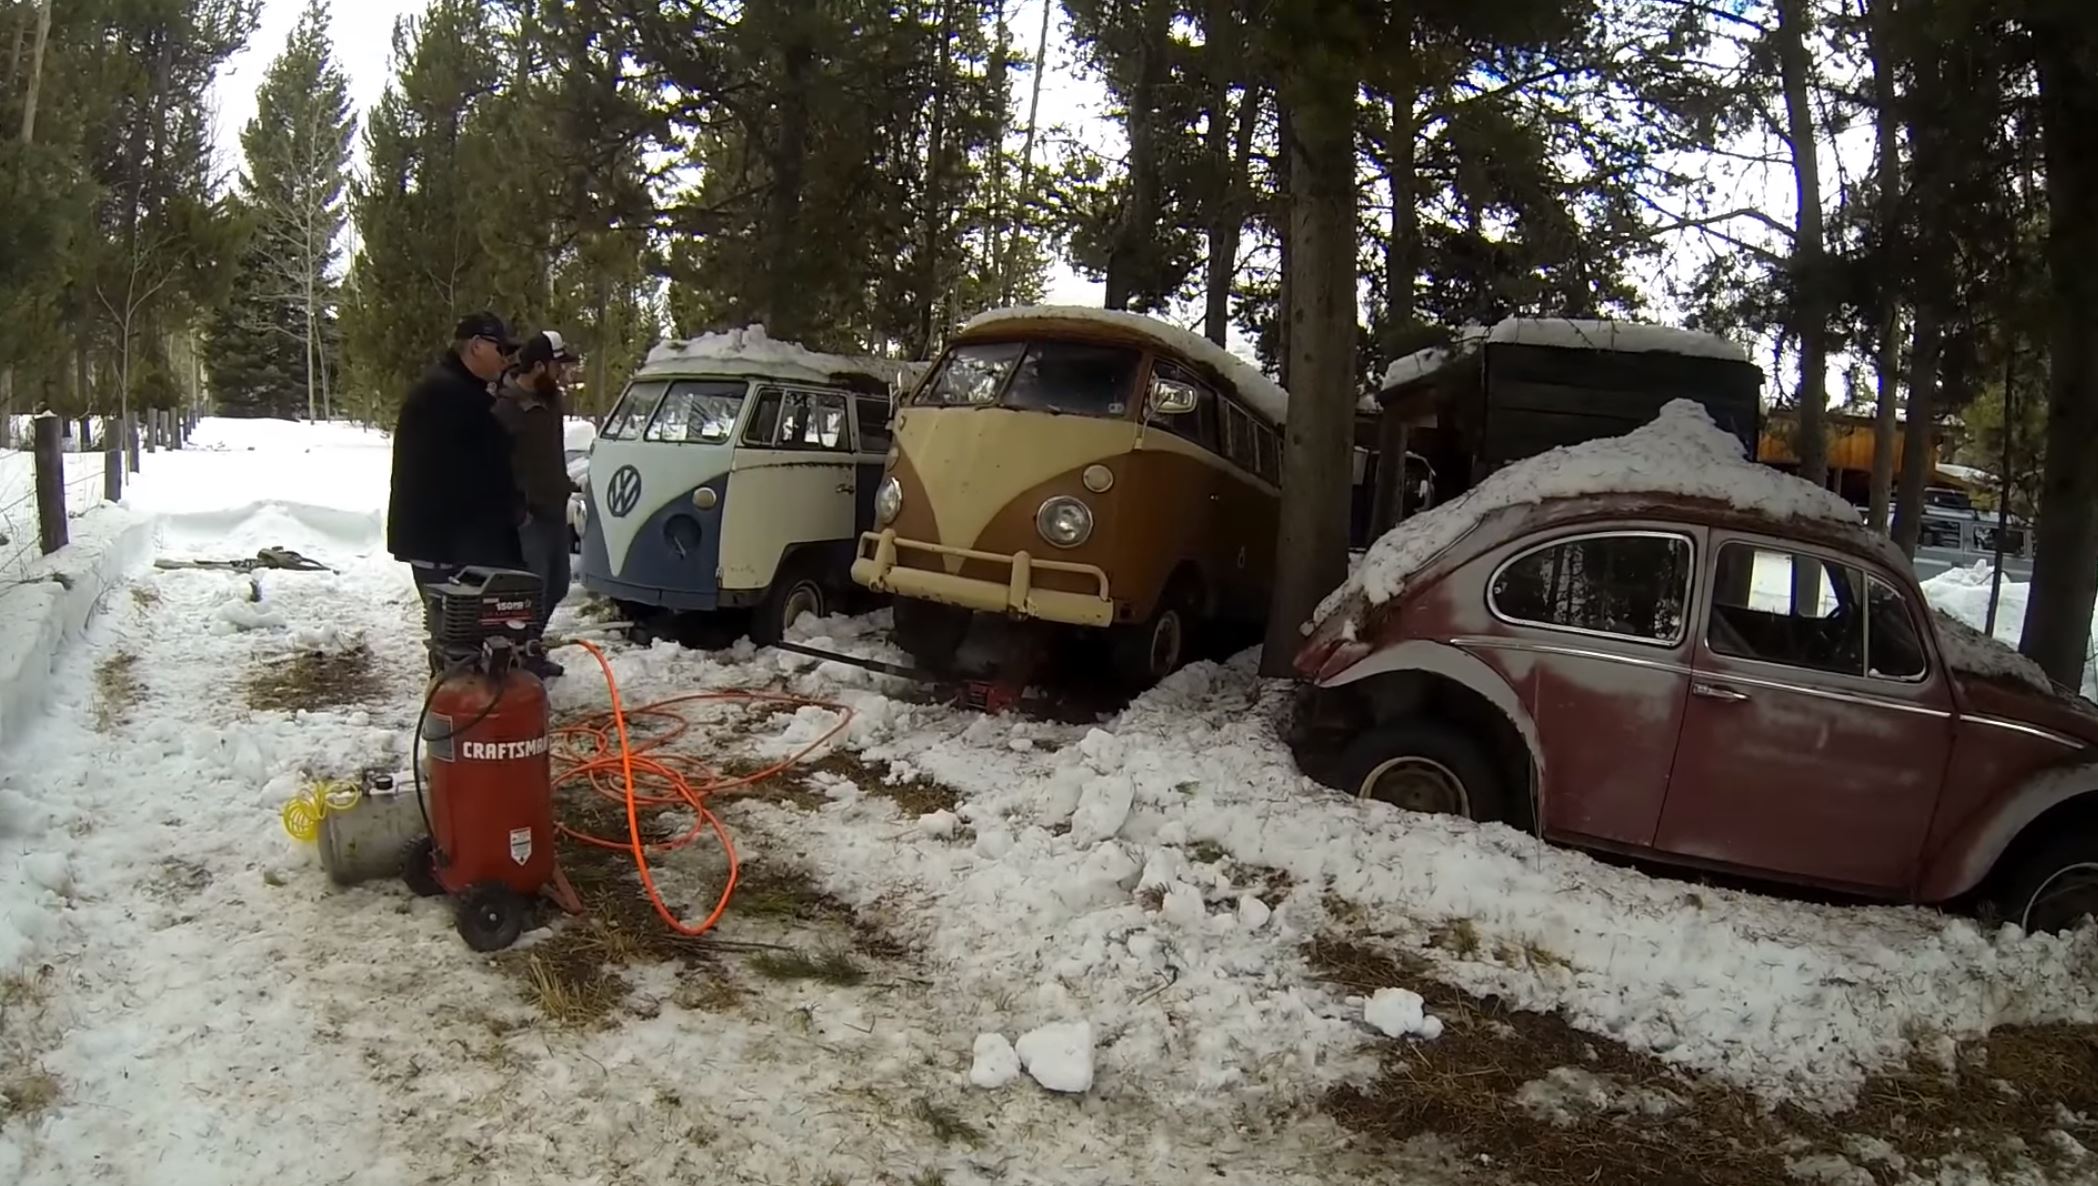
{"x":298,"y":153}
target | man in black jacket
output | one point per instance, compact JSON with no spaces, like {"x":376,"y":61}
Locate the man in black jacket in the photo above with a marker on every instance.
{"x":454,"y":501}
{"x":529,"y":406}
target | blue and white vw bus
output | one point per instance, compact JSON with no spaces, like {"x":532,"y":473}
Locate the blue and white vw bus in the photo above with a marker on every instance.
{"x":737,"y":473}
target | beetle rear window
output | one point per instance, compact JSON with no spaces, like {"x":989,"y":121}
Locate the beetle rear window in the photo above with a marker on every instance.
{"x":1633,"y":585}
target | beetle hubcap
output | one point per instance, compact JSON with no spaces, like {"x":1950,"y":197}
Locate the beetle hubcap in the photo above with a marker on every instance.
{"x":2063,"y":899}
{"x":1417,"y":784}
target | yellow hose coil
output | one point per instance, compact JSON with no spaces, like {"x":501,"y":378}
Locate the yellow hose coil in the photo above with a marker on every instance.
{"x":303,"y":812}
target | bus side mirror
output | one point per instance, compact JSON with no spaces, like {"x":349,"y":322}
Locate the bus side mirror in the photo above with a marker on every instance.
{"x":1169,"y":398}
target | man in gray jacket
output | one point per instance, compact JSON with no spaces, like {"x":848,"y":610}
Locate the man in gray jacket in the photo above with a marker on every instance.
{"x":530,"y":406}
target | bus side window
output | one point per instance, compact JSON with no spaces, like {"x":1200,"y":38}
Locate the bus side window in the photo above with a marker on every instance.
{"x":1238,"y":436}
{"x":814,"y":420}
{"x":875,"y":433}
{"x":1269,"y":449}
{"x":1200,"y":425}
{"x":764,"y":419}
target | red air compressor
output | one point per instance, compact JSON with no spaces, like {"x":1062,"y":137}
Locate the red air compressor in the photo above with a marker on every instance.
{"x":484,"y":776}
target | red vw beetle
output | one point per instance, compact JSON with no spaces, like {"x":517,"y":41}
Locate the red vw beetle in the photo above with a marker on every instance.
{"x":1649,"y":646}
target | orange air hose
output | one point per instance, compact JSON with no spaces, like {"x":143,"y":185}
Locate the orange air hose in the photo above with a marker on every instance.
{"x":586,"y":754}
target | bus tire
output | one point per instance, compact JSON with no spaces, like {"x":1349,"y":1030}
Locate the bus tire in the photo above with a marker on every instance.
{"x":929,"y":632}
{"x":1147,"y":652}
{"x":794,"y":594}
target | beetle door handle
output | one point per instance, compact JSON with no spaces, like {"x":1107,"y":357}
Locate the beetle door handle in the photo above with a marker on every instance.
{"x":1719,"y":692}
{"x":848,"y":488}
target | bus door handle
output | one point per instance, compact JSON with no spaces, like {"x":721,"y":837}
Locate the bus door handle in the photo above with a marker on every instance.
{"x":848,"y":488}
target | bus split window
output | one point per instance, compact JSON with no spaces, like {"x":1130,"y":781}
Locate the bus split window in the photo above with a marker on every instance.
{"x":799,"y":420}
{"x":1268,"y":454}
{"x":635,"y":407}
{"x":1238,"y":435}
{"x":698,"y":412}
{"x":764,"y":419}
{"x":973,"y":375}
{"x":1075,"y":379}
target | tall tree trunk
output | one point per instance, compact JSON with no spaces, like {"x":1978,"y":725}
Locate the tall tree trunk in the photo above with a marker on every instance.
{"x":2065,"y":560}
{"x":782,"y":313}
{"x":1887,"y":358}
{"x":29,"y":104}
{"x":1006,"y":280}
{"x":1916,"y":452}
{"x":1809,"y":279}
{"x":1311,"y":549}
{"x":934,"y":218}
{"x":1285,"y":136}
{"x":1402,"y":252}
{"x":1220,"y":36}
{"x":1001,"y":181}
{"x":1128,"y":259}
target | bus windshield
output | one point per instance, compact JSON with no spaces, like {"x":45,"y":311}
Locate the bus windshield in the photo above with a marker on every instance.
{"x":1067,"y":378}
{"x":635,"y":408}
{"x":701,"y":411}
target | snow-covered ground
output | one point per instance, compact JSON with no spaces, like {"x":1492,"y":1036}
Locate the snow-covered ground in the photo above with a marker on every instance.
{"x":1126,"y":906}
{"x":1964,"y":594}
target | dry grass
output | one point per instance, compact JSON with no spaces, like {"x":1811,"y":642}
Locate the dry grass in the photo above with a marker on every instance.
{"x":317,"y":680}
{"x":26,"y":1093}
{"x":1463,"y":1087}
{"x":947,"y":1125}
{"x":920,"y":797}
{"x":766,"y":890}
{"x":1458,"y":936}
{"x":837,"y":968}
{"x":144,"y":596}
{"x":118,"y":689}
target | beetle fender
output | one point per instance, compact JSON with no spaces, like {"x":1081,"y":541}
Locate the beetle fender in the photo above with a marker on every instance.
{"x":1972,"y":852}
{"x":1436,"y":658}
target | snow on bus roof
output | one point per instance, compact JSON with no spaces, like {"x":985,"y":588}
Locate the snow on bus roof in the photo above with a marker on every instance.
{"x":750,"y":351}
{"x":1630,"y":337}
{"x":1680,"y":453}
{"x":1266,"y":395}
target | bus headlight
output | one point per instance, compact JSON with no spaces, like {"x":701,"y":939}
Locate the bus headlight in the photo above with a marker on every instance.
{"x":1064,"y":521}
{"x":888,"y":500}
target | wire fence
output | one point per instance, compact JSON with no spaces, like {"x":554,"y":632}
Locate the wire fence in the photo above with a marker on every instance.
{"x":82,"y":485}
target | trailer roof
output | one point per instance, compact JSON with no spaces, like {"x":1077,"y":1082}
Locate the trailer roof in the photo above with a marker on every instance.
{"x":1625,"y":337}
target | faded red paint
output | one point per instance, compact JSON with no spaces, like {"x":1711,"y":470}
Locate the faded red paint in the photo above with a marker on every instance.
{"x":1897,"y":789}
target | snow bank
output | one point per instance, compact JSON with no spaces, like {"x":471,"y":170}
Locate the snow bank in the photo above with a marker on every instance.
{"x":750,"y":352}
{"x":1962,"y":596}
{"x":1629,"y":337}
{"x":1265,"y":394}
{"x":53,"y":602}
{"x":1681,"y":453}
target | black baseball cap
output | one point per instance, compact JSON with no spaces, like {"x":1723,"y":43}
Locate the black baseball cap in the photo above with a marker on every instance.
{"x":485,"y":325}
{"x":544,"y":346}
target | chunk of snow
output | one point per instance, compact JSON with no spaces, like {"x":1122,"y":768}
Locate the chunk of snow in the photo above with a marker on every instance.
{"x":750,"y":351}
{"x":1413,"y":366}
{"x":1400,"y":1012}
{"x":1059,"y":1056}
{"x":1266,"y":395}
{"x":1681,"y":453}
{"x":940,"y":825}
{"x":996,"y":1063}
{"x":241,"y":616}
{"x":1102,"y":809}
{"x":1970,"y":652}
{"x":1183,"y":905}
{"x":1253,"y":913}
{"x":993,"y":843}
{"x":50,"y":870}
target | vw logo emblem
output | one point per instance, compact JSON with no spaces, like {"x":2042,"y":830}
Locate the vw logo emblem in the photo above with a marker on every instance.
{"x":624,"y":494}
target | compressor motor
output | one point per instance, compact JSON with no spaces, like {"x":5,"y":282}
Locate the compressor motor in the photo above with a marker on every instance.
{"x":476,"y":605}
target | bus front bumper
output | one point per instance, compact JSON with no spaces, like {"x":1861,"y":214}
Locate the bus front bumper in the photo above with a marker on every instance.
{"x":876,"y":568}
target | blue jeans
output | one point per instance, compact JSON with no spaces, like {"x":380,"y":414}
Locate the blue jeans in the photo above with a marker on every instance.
{"x":545,"y":543}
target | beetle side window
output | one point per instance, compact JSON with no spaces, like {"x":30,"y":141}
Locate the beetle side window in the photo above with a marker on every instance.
{"x":1631,"y":585}
{"x":1893,"y":647}
{"x":1784,"y":607}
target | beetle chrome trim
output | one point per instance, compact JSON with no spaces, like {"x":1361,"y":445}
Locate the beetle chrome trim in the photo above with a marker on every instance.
{"x":1487,"y":642}
{"x":2031,"y":730}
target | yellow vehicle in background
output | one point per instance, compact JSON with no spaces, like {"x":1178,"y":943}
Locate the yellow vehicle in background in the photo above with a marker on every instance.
{"x":1082,"y":467}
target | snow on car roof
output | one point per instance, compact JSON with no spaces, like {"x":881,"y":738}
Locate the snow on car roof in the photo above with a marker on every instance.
{"x":1970,"y":652}
{"x":1681,"y":453}
{"x":1266,"y":395}
{"x":1630,"y":337}
{"x":750,"y":351}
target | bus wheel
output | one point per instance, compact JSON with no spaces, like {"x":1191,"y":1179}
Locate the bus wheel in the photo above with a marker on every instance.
{"x":793,"y":597}
{"x":931,"y":633}
{"x":1146,"y":653}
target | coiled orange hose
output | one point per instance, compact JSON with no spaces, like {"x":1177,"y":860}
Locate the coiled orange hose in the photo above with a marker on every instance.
{"x":585,"y":753}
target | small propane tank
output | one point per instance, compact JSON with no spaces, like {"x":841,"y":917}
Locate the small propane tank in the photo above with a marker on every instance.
{"x":368,"y":840}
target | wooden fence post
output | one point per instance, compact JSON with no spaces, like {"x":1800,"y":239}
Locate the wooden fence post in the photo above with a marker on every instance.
{"x":50,"y":482}
{"x":113,"y":472}
{"x":131,"y":439}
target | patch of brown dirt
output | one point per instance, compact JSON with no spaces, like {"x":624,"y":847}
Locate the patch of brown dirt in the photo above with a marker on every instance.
{"x":316,"y":680}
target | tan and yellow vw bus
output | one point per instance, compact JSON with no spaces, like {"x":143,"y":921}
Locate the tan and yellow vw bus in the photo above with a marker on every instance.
{"x":1091,"y":468}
